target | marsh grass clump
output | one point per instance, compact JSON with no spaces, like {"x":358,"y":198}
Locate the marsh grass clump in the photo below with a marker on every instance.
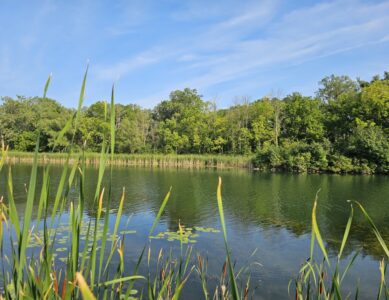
{"x":323,"y":278}
{"x":155,"y":160}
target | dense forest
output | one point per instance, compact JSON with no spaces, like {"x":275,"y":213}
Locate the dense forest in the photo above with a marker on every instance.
{"x":344,"y":128}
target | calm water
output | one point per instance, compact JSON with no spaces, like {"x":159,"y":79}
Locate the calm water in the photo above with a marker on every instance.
{"x":269,"y":213}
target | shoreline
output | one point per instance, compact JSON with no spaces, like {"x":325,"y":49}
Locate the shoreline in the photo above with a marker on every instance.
{"x":188,"y":161}
{"x":183,"y":161}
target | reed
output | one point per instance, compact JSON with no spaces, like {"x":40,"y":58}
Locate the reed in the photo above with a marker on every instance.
{"x":189,"y":161}
{"x":322,"y":278}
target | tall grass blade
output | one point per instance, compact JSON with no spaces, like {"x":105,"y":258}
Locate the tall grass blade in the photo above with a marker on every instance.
{"x":80,"y":100}
{"x":4,"y":152}
{"x":44,"y":194}
{"x":27,"y":216}
{"x":46,"y":87}
{"x":94,"y":243}
{"x":161,"y":209}
{"x":375,"y":229}
{"x":122,"y":279}
{"x":235,"y":293}
{"x":115,"y":229}
{"x":59,"y":192}
{"x":349,"y":264}
{"x":346,"y":232}
{"x":85,"y":291}
{"x":13,"y":212}
{"x":316,"y":232}
{"x":112,"y":122}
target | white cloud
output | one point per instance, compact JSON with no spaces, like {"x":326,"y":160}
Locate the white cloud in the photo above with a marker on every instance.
{"x":116,"y":71}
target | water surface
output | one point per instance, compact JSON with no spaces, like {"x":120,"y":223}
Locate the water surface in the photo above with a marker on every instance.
{"x":269,"y":214}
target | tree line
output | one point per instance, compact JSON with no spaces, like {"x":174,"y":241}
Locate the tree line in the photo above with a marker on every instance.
{"x":343,"y":128}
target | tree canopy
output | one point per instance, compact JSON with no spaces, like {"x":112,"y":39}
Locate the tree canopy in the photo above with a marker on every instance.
{"x":344,"y":127}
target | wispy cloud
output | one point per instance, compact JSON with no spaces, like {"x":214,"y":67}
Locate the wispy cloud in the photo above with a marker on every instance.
{"x":153,"y":47}
{"x":121,"y":68}
{"x":304,"y":35}
{"x":247,"y":41}
{"x":194,"y":48}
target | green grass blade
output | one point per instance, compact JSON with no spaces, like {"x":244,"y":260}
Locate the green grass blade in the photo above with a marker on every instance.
{"x":122,"y":279}
{"x":135,"y":272}
{"x":161,"y":209}
{"x":116,"y":226}
{"x":86,"y":242}
{"x":27,"y":215}
{"x":375,"y":229}
{"x":104,"y":238}
{"x":46,"y":86}
{"x":312,"y":247}
{"x":316,"y":231}
{"x":59,"y":192}
{"x":235,"y":293}
{"x":13,"y":212}
{"x":44,"y":194}
{"x":4,"y":153}
{"x":113,"y":121}
{"x":179,"y":288}
{"x":350,"y":263}
{"x":102,"y":164}
{"x":346,"y":232}
{"x":85,"y":291}
{"x":81,"y":99}
{"x":94,"y":243}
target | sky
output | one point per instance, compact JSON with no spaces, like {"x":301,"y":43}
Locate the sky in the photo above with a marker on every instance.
{"x":227,"y":50}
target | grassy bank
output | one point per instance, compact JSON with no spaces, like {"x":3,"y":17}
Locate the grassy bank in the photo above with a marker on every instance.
{"x":149,"y":160}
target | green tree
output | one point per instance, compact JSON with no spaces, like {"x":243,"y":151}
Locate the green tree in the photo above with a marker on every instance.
{"x":133,"y":126}
{"x":181,"y":121}
{"x":332,"y":87}
{"x":263,"y":122}
{"x":374,"y":104}
{"x":303,"y":119}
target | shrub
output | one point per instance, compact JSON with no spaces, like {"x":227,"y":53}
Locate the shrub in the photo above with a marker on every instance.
{"x":295,"y":156}
{"x":338,"y":163}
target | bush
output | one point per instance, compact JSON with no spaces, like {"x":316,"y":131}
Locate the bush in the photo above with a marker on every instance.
{"x":293,"y":156}
{"x":338,"y":163}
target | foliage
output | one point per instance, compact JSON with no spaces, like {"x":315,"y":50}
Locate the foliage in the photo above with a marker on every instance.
{"x":293,"y":156}
{"x":345,"y":128}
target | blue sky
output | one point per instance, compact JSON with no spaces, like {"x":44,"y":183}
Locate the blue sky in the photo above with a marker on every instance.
{"x":225,"y":49}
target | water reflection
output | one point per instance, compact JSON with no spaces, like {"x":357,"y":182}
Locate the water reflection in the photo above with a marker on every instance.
{"x":271,"y":212}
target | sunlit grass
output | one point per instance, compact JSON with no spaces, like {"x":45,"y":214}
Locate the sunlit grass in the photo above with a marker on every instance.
{"x":224,"y":161}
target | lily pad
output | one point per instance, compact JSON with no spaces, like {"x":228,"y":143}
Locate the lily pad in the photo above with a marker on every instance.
{"x":127,"y":231}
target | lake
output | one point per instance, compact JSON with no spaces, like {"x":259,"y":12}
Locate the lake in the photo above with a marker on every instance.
{"x":268,"y":219}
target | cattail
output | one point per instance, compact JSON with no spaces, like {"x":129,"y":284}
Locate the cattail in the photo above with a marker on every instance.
{"x":162,"y":274}
{"x":200,"y":260}
{"x":246,"y":293}
{"x":321,"y":283}
{"x":225,"y":269}
{"x":223,"y":290}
